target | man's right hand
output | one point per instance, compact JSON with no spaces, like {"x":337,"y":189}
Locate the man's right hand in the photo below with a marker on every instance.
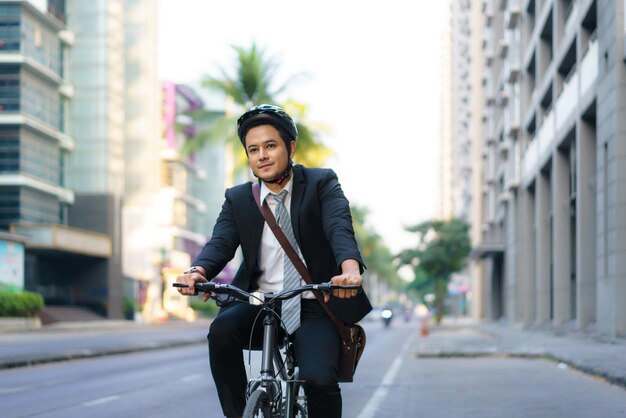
{"x":190,"y":278}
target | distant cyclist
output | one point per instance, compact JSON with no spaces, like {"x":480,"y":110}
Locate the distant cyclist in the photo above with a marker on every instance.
{"x":321,"y":227}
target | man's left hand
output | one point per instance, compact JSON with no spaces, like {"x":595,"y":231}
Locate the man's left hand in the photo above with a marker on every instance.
{"x":350,"y":275}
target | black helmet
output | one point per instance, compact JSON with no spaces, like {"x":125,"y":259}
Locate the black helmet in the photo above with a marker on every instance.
{"x":266,"y":114}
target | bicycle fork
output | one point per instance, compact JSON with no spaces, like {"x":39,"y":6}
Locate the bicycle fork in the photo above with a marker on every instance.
{"x":267,"y":379}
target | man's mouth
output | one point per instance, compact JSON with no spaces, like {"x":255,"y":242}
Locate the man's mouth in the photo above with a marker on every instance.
{"x":261,"y":167}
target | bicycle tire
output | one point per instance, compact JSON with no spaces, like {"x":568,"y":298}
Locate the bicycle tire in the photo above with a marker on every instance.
{"x":300,"y":411}
{"x":258,"y":405}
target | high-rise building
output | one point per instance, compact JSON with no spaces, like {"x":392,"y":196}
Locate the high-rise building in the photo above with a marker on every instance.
{"x":553,"y":173}
{"x":37,"y":145}
{"x":80,"y":151}
{"x":456,"y":145}
{"x":191,"y":190}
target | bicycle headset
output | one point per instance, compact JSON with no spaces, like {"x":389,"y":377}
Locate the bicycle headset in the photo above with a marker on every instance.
{"x":275,"y":116}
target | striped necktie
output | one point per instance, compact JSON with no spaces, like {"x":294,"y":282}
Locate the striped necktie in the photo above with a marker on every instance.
{"x":291,"y":277}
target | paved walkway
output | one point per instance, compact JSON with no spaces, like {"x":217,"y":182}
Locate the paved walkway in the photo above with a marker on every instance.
{"x":594,"y":355}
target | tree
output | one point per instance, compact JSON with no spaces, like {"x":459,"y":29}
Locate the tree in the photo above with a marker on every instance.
{"x":252,"y":83}
{"x":442,"y":249}
{"x":376,"y":255}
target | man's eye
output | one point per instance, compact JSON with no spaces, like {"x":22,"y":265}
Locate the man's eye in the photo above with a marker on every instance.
{"x":270,"y":146}
{"x":252,"y":150}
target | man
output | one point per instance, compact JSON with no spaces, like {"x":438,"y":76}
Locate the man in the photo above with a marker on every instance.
{"x":322,"y":227}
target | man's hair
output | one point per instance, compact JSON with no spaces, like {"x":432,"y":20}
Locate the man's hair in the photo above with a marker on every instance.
{"x":282,"y":132}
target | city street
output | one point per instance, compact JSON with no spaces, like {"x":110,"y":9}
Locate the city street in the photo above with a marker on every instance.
{"x":392,"y":381}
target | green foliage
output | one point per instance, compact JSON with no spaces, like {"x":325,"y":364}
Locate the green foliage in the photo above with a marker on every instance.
{"x":208,"y":309}
{"x":19,"y":303}
{"x":443,"y":247}
{"x":252,"y":83}
{"x":377,"y":256}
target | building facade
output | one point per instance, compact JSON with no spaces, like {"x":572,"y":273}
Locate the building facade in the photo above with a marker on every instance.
{"x":36,"y":153}
{"x":191,"y":188}
{"x":554,"y":178}
{"x":456,"y":146}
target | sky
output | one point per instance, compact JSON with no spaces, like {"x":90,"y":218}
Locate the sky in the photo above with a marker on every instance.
{"x":373,"y":75}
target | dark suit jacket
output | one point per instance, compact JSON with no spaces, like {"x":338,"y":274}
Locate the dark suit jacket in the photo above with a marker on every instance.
{"x":322,"y":225}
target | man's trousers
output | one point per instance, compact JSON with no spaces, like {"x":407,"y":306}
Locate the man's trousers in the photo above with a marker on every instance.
{"x":316,"y":345}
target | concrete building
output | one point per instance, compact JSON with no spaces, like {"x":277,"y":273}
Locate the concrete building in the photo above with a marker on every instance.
{"x":142,"y":164}
{"x":82,"y":119}
{"x":36,"y":151}
{"x":554,"y":196}
{"x":191,"y":188}
{"x":456,"y":145}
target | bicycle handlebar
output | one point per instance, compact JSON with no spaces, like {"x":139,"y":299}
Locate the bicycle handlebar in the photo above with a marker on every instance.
{"x":257,"y":298}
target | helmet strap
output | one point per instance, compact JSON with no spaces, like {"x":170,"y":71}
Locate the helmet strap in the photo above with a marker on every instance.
{"x":280,"y":179}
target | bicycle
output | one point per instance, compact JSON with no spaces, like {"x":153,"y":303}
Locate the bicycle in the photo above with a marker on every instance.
{"x":264,"y":395}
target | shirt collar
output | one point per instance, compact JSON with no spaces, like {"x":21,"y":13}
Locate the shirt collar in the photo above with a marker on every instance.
{"x":265,"y":190}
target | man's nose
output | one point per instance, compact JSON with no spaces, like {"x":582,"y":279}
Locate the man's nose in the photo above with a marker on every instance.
{"x":262,"y":154}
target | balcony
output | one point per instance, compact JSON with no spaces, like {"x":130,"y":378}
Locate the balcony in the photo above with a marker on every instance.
{"x":512,"y":70}
{"x":513,"y":16}
{"x":589,"y":68}
{"x":539,"y":147}
{"x":488,"y":58}
{"x":512,"y":174}
{"x":503,"y":147}
{"x":503,"y":48}
{"x":571,"y":19}
{"x":567,"y":101}
{"x":503,"y":98}
{"x":488,"y":18}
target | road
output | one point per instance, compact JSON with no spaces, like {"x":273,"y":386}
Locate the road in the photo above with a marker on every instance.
{"x":390,"y":382}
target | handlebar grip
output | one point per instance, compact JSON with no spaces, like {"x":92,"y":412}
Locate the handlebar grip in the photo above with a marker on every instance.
{"x":205,"y":286}
{"x":200,"y":287}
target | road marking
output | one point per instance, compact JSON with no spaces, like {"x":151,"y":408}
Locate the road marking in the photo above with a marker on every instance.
{"x":191,"y":377}
{"x":8,"y":391}
{"x":101,"y":400}
{"x":370,"y":409}
{"x":18,"y":389}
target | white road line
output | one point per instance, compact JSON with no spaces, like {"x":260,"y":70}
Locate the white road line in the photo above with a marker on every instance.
{"x":18,"y":389}
{"x":100,"y":401}
{"x":8,"y":391}
{"x":191,"y":377}
{"x":370,"y":409}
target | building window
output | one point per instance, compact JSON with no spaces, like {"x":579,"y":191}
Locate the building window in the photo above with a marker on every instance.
{"x":41,"y":100}
{"x":9,"y":88}
{"x":9,"y":27}
{"x":9,"y":149}
{"x":9,"y":206}
{"x":41,"y":44}
{"x":57,"y":9}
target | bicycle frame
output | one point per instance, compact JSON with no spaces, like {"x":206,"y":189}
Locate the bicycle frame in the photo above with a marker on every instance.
{"x":271,"y":357}
{"x":272,"y":360}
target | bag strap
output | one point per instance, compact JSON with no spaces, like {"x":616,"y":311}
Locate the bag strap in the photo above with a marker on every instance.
{"x":295,"y":259}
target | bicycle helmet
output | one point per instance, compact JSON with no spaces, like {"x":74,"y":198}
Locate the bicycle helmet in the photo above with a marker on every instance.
{"x":266,"y":114}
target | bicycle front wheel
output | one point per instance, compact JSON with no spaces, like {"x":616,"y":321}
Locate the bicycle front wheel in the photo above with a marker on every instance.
{"x":258,"y":405}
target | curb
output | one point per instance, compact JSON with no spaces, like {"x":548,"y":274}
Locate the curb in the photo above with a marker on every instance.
{"x":607,"y":377}
{"x":16,"y":362}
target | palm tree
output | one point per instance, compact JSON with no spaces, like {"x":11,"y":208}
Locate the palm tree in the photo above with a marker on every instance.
{"x":252,"y":83}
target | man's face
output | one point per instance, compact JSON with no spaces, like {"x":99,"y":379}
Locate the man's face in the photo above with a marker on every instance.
{"x":267,"y":152}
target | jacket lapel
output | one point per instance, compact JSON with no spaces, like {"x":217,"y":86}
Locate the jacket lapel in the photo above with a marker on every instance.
{"x":296,"y":199}
{"x":257,"y":223}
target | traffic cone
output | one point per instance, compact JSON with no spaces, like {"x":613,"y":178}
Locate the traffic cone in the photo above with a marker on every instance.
{"x":424,"y":327}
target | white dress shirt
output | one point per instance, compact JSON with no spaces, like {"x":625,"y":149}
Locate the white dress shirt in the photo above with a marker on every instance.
{"x":271,"y":254}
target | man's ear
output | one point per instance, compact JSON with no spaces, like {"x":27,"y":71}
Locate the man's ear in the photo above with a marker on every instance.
{"x":292,"y":149}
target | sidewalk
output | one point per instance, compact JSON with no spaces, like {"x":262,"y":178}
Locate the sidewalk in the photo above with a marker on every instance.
{"x":602,"y":357}
{"x":64,"y":341}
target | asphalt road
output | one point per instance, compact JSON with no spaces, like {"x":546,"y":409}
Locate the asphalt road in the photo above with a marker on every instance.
{"x":390,"y":382}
